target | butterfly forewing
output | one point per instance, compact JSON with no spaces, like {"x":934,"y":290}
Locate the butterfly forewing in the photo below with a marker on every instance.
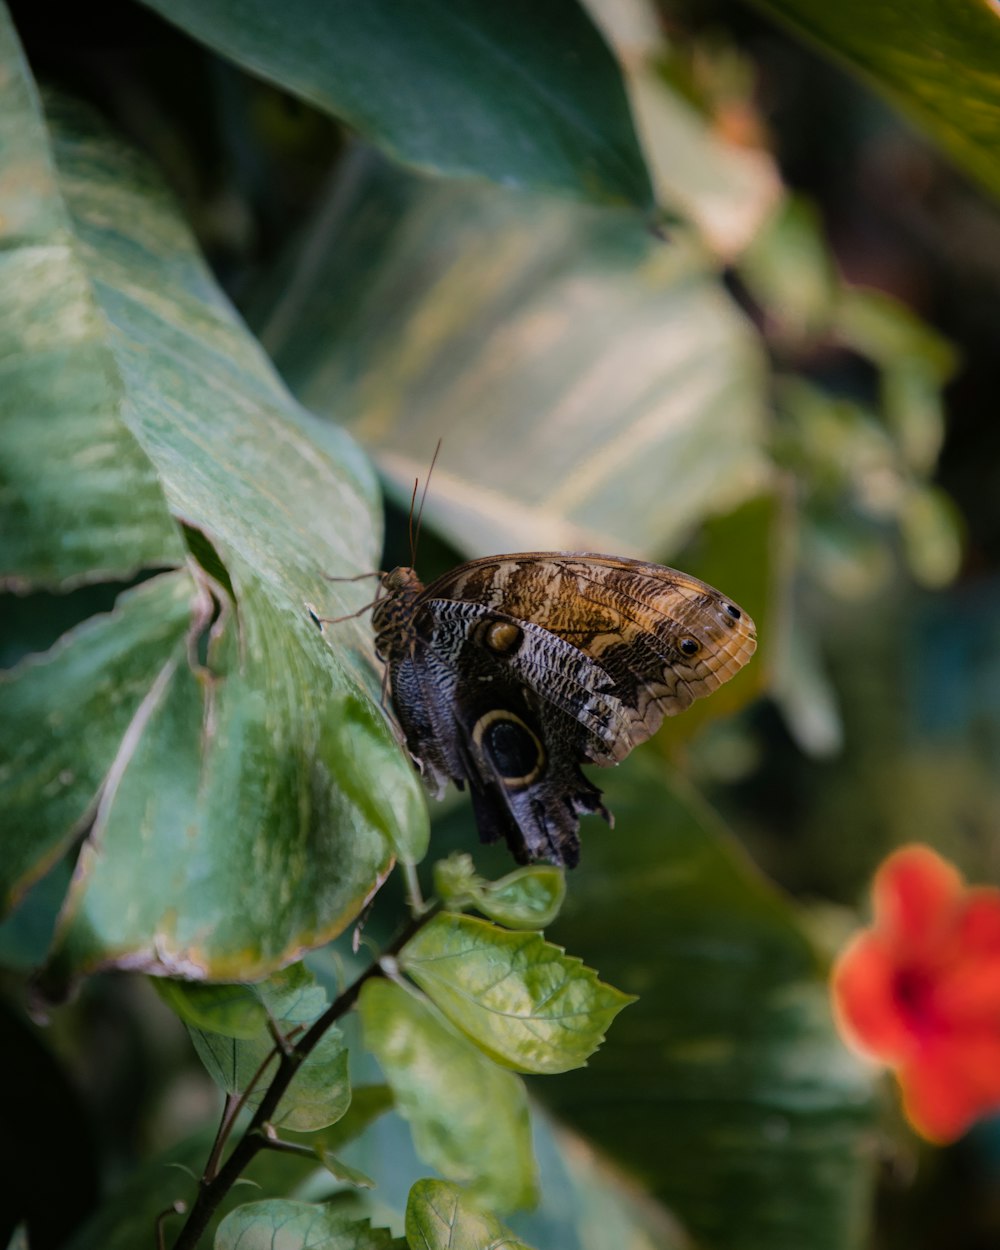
{"x":637,"y":621}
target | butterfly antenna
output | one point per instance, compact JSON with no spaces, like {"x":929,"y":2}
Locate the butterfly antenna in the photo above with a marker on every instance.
{"x":409,"y":522}
{"x":358,"y":577}
{"x":420,"y":511}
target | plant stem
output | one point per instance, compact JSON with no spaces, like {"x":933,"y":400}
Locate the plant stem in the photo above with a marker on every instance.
{"x":214,"y":1188}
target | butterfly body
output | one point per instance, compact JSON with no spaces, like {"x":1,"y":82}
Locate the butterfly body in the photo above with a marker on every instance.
{"x":509,"y":672}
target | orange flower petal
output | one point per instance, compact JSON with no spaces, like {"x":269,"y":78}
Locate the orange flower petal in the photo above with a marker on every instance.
{"x":968,"y":980}
{"x":915,"y":894}
{"x":978,"y":926}
{"x":865,"y":1002}
{"x":951,"y":1086}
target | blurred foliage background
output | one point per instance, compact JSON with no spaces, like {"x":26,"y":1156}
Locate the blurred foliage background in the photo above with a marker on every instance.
{"x":786,"y":387}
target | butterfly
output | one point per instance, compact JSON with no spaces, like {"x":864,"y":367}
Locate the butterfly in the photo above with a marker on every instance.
{"x":507,"y":673}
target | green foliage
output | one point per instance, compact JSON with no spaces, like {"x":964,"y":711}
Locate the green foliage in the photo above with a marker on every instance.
{"x":210,"y":770}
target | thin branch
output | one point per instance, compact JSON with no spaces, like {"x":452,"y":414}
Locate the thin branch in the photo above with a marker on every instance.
{"x":230,"y":1110}
{"x":287,"y":1147}
{"x":254,"y":1139}
{"x":175,"y":1208}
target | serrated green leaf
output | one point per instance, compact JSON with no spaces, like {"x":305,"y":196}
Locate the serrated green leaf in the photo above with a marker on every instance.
{"x":936,"y":61}
{"x":277,"y":1224}
{"x":526,"y":95}
{"x":525,"y":1002}
{"x":320,"y":1092}
{"x":440,"y":1217}
{"x":469,"y":1118}
{"x":237,"y":819}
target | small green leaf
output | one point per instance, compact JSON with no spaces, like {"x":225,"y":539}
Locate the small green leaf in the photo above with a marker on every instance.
{"x":524,"y":94}
{"x":341,"y":1170}
{"x":290,"y":995}
{"x":319,"y":1095}
{"x":320,"y":1092}
{"x":231,"y":1010}
{"x":456,"y":881}
{"x":790,"y":272}
{"x":439,"y":1216}
{"x":525,"y":1002}
{"x":468,"y":1117}
{"x":277,"y":1224}
{"x":528,"y":898}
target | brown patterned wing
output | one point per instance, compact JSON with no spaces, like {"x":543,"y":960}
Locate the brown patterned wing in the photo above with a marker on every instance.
{"x":655,"y":639}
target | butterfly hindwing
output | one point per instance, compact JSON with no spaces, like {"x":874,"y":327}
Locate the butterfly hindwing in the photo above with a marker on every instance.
{"x":470,"y":712}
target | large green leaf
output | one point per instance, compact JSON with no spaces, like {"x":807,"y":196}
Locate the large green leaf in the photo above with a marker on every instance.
{"x":938,"y":61}
{"x":595,"y":387}
{"x":733,"y":1097}
{"x":524,"y":94}
{"x":469,"y":1117}
{"x":235,"y":825}
{"x":97,"y":511}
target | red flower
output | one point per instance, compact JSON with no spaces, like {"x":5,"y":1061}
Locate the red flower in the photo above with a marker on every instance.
{"x":920,"y":990}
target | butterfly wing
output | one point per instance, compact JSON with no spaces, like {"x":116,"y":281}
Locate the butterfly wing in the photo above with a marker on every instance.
{"x":660,"y":638}
{"x":522,"y":667}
